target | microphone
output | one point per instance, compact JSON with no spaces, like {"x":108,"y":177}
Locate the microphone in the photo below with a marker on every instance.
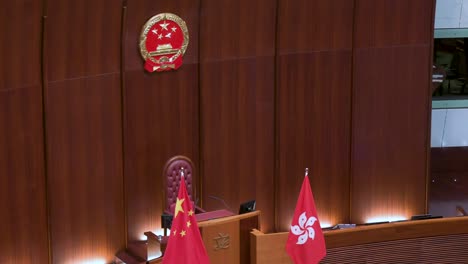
{"x":222,"y":201}
{"x":461,"y":211}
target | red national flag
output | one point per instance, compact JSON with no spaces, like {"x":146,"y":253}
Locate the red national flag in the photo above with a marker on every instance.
{"x":306,"y":243}
{"x":185,"y":245}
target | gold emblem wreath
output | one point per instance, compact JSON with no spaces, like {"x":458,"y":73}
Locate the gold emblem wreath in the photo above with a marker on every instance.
{"x":150,"y":23}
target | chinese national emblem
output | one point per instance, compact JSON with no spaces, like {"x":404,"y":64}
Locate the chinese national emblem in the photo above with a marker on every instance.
{"x":163,"y":41}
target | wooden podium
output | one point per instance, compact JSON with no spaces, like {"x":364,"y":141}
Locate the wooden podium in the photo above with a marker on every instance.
{"x":227,"y":239}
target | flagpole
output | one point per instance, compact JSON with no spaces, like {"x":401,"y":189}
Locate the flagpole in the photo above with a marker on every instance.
{"x":182,"y":173}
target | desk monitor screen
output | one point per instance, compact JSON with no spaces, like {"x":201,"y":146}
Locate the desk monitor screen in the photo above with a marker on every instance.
{"x":247,"y":207}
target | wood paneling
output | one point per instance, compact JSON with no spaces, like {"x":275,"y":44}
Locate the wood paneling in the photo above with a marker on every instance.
{"x":391,"y":93}
{"x":389,"y":133}
{"x":314,"y":25}
{"x":84,"y":130}
{"x":267,"y":88}
{"x":244,"y":31}
{"x":85,"y":169}
{"x":238,"y":228}
{"x":23,"y":214}
{"x":313,"y":105}
{"x":83,"y":38}
{"x":21,"y":24}
{"x":393,"y":22}
{"x":23,"y":220}
{"x":451,"y":159}
{"x":237,"y":104}
{"x":449,"y":181}
{"x":161,"y":115}
{"x":314,"y":127}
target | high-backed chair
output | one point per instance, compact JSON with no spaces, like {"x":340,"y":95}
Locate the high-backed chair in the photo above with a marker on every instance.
{"x":172,"y":175}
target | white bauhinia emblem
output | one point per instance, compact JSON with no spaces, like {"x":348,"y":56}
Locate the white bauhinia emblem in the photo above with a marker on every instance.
{"x":305,"y":229}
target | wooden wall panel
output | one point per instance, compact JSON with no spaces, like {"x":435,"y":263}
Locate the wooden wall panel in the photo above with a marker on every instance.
{"x":313,"y":122}
{"x":23,"y":214}
{"x":390,"y":109}
{"x":84,"y":130}
{"x":389,"y":133}
{"x":85,"y":169}
{"x":312,"y":26}
{"x":237,"y":104}
{"x":21,"y":24}
{"x":314,"y":132}
{"x":161,"y":115}
{"x":83,"y":38}
{"x":23,"y":218}
{"x":380,"y":23}
{"x":448,"y":181}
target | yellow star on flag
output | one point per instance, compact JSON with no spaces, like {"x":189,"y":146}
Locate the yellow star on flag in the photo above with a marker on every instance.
{"x":185,"y":246}
{"x":178,"y":207}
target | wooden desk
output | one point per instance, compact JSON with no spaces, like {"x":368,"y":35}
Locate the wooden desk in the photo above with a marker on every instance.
{"x":441,"y":241}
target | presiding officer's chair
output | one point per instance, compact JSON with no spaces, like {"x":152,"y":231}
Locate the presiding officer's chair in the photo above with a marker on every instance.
{"x":172,"y":175}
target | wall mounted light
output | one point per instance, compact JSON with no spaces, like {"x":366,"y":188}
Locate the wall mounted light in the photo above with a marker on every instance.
{"x":93,"y":261}
{"x":385,"y":218}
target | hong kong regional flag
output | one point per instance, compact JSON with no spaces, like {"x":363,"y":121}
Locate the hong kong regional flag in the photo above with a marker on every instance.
{"x":306,"y":243}
{"x":185,"y":245}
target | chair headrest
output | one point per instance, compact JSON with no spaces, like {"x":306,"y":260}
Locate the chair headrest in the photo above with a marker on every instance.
{"x":172,"y":174}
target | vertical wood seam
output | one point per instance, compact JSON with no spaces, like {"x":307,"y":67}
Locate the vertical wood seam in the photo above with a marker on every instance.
{"x":44,"y":127}
{"x":429,"y":107}
{"x":201,"y":165}
{"x":351,"y":119}
{"x":123,"y":115}
{"x":276,"y":125}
